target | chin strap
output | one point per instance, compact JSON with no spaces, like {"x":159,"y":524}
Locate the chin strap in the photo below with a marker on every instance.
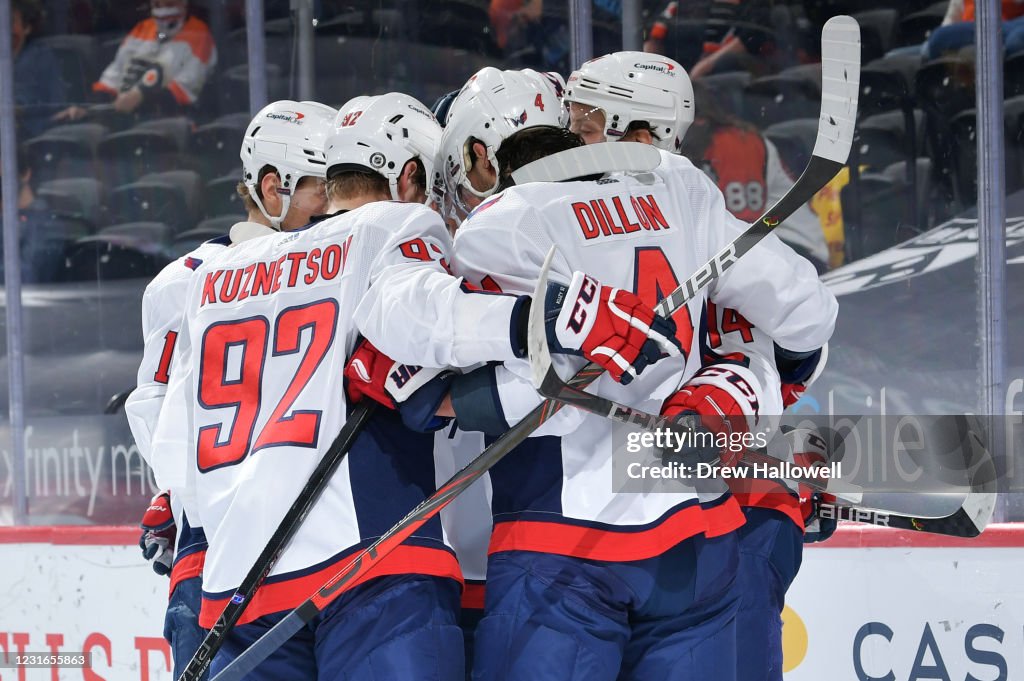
{"x":286,"y":199}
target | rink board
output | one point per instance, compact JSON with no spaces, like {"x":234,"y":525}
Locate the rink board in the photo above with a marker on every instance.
{"x":869,"y":605}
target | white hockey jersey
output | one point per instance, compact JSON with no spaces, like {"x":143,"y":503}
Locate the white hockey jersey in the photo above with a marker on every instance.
{"x":257,"y":385}
{"x":163,"y":305}
{"x":467,"y":519}
{"x":556,"y":493}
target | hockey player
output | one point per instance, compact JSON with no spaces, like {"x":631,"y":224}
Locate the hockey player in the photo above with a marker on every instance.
{"x":283,"y":187}
{"x":491,"y":106}
{"x":267,"y":331}
{"x":744,"y":165}
{"x":582,"y":582}
{"x":660,"y":111}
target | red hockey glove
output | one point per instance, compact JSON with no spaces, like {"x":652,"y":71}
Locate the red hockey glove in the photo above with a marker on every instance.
{"x":158,"y":533}
{"x":608,"y":326}
{"x":416,"y":392}
{"x":721,"y":411}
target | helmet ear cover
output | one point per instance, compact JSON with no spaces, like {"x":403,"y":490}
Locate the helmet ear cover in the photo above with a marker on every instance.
{"x":492,"y":105}
{"x":468,"y":157}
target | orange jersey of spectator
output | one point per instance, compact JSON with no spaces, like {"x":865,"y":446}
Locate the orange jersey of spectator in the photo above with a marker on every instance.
{"x":1011,"y":9}
{"x":181,"y":63}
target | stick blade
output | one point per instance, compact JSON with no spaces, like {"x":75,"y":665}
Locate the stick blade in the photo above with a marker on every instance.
{"x":591,"y":159}
{"x":840,"y":87}
{"x":536,"y":335}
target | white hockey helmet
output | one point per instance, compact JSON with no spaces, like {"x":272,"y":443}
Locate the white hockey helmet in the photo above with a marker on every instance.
{"x":381,"y":134}
{"x":288,"y":136}
{"x":491,"y":106}
{"x":636,"y":86}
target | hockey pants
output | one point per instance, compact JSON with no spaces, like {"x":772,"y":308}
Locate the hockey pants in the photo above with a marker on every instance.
{"x":562,"y":618}
{"x":771,"y":547}
{"x":394,"y":628}
{"x":181,"y":623}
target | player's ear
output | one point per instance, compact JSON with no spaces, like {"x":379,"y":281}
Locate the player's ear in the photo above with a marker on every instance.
{"x":268,"y":188}
{"x":408,"y":189}
{"x":480,"y":155}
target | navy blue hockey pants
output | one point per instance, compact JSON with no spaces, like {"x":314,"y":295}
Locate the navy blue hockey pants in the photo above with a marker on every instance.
{"x":566,"y":619}
{"x":771,"y":547}
{"x":393,"y":628}
{"x":181,"y":623}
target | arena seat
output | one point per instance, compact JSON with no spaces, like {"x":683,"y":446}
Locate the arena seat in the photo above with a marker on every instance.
{"x":149,"y":147}
{"x":793,"y":93}
{"x":795,"y":140}
{"x":887,"y":84}
{"x":884,"y":139}
{"x":172,"y":197}
{"x":79,"y":197}
{"x":216,"y":144}
{"x":65,"y":151}
{"x":879,"y":32}
{"x":77,"y":57}
{"x":1013,"y":75}
{"x":116,"y":255}
{"x":221,"y":196}
{"x":917,"y":26}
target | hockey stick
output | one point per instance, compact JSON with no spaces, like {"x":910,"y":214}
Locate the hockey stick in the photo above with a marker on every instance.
{"x":592,"y":159}
{"x":969,"y":520}
{"x":116,"y":402}
{"x":286,"y":529}
{"x":840,"y":85}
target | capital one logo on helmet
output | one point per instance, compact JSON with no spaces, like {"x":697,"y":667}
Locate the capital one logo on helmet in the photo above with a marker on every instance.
{"x":658,"y":67}
{"x":421,"y":111}
{"x":287,"y":116}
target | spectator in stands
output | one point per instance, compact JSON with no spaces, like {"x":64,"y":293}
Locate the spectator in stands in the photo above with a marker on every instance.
{"x":43,"y":233}
{"x":522,"y":31}
{"x":718,"y":35}
{"x":957,"y":29}
{"x":39,"y":90}
{"x":748,"y":170}
{"x":161,"y":66}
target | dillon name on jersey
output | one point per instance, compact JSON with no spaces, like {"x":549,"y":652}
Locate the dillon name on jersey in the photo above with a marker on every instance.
{"x":645,"y":234}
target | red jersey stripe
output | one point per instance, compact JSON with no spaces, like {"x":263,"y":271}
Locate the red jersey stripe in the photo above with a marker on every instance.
{"x":612,"y":545}
{"x":288,"y":594}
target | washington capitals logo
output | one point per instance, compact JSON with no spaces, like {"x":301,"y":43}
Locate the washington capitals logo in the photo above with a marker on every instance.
{"x":193,"y":263}
{"x":518,"y":120}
